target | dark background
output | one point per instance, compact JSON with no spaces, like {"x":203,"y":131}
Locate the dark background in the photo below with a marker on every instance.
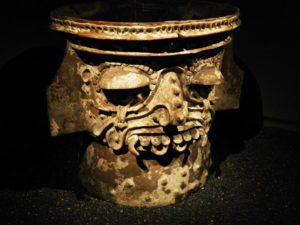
{"x":259,"y":166}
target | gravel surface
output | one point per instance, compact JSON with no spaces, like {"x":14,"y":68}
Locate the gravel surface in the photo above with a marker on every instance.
{"x":256,"y":185}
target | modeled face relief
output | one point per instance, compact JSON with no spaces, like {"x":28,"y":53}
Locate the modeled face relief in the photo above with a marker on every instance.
{"x":150,"y":129}
{"x":152,"y":111}
{"x":146,"y":93}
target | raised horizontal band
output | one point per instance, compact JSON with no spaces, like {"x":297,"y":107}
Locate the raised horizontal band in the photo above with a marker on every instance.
{"x":157,"y":21}
{"x":151,"y":54}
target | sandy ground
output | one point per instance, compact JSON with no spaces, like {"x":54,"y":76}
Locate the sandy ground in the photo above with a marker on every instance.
{"x":259,"y":184}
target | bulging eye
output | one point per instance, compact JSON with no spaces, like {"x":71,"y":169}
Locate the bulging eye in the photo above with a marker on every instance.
{"x":124,"y":85}
{"x":208,"y":75}
{"x":127,"y":96}
{"x":203,"y":81}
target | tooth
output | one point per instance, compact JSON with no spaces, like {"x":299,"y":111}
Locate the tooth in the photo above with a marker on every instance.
{"x":207,"y":129}
{"x":177,"y":139}
{"x":156,"y":140}
{"x":97,"y":129}
{"x":152,"y":87}
{"x":140,"y":148}
{"x":204,"y":140}
{"x":144,"y":140}
{"x":195,"y":133}
{"x":180,"y":128}
{"x":131,"y":144}
{"x":187,"y":136}
{"x":115,"y":147}
{"x":114,"y":139}
{"x":165,"y":140}
{"x":153,"y":82}
{"x":180,"y":148}
{"x":202,"y":132}
{"x":162,"y":151}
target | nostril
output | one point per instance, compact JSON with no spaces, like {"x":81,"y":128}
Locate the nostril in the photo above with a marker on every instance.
{"x":161,"y":116}
{"x":155,"y":119}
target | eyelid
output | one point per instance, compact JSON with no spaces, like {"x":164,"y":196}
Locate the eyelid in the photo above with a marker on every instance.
{"x":118,"y":78}
{"x":208,"y":75}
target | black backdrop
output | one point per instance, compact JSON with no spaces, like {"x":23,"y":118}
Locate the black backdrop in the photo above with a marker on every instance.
{"x":266,"y":46}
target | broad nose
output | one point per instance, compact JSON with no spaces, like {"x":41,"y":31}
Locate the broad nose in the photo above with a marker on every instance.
{"x":177,"y":107}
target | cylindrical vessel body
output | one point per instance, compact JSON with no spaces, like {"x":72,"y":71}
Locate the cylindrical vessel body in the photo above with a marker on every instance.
{"x":146,"y":90}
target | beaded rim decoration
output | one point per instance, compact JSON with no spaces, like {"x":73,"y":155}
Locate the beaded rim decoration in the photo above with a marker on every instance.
{"x":143,"y":30}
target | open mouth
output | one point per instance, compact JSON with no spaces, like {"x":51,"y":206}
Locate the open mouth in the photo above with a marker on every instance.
{"x":159,"y":144}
